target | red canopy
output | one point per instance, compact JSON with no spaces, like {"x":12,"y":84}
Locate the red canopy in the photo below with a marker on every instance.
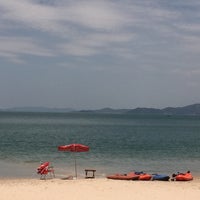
{"x":74,"y":148}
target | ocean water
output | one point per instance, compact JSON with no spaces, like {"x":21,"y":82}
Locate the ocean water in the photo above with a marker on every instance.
{"x":118,"y":143}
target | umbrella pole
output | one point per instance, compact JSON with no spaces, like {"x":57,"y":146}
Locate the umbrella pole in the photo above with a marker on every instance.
{"x":75,"y":165}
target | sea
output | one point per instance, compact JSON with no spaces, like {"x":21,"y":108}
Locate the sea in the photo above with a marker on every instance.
{"x":118,"y":143}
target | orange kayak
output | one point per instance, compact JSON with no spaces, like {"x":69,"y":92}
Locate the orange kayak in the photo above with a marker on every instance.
{"x":183,"y":176}
{"x":129,"y":176}
{"x":145,"y":177}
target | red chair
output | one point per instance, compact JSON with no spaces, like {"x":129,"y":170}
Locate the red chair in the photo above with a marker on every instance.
{"x":44,"y":169}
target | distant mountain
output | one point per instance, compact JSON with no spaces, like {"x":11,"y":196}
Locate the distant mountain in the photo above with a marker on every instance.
{"x":38,"y":109}
{"x":193,"y":109}
{"x":186,"y":110}
{"x":107,"y":110}
{"x":145,"y":111}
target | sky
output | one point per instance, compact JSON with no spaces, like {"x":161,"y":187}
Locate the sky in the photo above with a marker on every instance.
{"x":92,"y":54}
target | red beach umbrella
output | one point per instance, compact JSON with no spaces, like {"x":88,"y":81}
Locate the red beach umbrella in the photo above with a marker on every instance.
{"x":74,"y":148}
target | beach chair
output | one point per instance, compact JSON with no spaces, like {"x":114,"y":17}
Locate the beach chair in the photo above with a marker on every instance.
{"x":45,"y":169}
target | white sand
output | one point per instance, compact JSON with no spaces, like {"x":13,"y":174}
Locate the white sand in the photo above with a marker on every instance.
{"x":97,"y":189}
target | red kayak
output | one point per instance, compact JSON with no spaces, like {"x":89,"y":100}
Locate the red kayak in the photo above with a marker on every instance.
{"x":129,"y":176}
{"x":145,"y":177}
{"x":183,"y":176}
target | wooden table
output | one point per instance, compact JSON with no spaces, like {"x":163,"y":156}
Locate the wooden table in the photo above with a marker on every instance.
{"x":91,"y":172}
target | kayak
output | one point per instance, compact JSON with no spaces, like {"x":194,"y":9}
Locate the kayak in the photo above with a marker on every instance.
{"x":182,"y":176}
{"x":160,"y":177}
{"x":145,"y":177}
{"x":129,"y":176}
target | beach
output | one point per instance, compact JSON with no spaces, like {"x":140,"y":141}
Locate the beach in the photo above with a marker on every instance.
{"x":98,"y":189}
{"x":118,"y":144}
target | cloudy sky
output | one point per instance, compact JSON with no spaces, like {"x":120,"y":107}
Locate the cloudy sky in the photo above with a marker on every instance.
{"x":88,"y":54}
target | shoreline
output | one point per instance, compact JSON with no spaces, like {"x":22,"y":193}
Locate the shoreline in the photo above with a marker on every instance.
{"x":12,"y":170}
{"x":98,"y":188}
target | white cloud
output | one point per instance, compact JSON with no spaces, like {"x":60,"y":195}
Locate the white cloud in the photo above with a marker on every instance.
{"x":88,"y":14}
{"x":95,"y":44}
{"x":30,"y":15}
{"x":83,"y":25}
{"x":191,"y":28}
{"x":94,"y":15}
{"x":15,"y":47}
{"x":11,"y":57}
{"x":87,"y":28}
